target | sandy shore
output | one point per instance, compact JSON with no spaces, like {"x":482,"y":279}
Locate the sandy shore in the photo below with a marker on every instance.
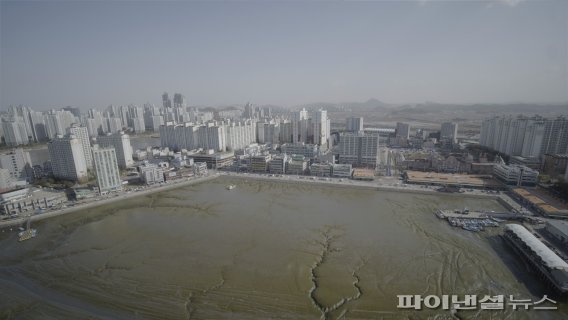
{"x":92,"y":204}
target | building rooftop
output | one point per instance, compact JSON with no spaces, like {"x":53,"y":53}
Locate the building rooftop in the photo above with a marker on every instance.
{"x":363,"y":173}
{"x":536,"y":201}
{"x":549,"y":258}
{"x":560,"y":225}
{"x":451,"y":179}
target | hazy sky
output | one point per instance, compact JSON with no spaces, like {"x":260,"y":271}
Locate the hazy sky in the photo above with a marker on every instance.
{"x":92,"y":54}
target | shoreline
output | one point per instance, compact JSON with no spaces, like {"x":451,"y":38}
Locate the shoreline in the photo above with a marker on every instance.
{"x":286,"y":179}
{"x":93,"y":204}
{"x":358,"y":184}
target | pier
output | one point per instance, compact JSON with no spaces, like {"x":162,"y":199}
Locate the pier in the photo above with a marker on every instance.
{"x":472,"y":220}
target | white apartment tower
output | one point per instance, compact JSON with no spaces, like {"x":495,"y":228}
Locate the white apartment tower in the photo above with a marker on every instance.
{"x":212,"y":136}
{"x":15,"y":132}
{"x":300,"y":126}
{"x":449,"y":131}
{"x":321,"y":127}
{"x":82,"y":133}
{"x":359,"y":150}
{"x":18,"y":163}
{"x":240,"y":134}
{"x":106,"y":167}
{"x":403,"y":130}
{"x":525,"y":136}
{"x":354,"y":124}
{"x":67,"y":158}
{"x":121,"y":143}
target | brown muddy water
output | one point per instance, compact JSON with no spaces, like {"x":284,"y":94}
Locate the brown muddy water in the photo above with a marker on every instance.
{"x":264,"y":250}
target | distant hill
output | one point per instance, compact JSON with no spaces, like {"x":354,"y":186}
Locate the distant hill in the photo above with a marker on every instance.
{"x":369,"y":105}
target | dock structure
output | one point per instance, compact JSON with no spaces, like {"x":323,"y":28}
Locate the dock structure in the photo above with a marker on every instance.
{"x":468,"y":220}
{"x":474,"y":214}
{"x":547,"y":264}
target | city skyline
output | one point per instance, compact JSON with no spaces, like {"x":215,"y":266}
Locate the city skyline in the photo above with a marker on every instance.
{"x":93,"y":54}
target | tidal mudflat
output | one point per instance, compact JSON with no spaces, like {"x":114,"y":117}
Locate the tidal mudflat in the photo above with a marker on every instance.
{"x":262,"y":250}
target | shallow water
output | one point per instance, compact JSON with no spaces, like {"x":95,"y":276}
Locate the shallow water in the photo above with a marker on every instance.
{"x":262,"y":250}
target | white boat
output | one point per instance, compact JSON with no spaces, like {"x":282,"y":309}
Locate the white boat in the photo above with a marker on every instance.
{"x":231,"y":187}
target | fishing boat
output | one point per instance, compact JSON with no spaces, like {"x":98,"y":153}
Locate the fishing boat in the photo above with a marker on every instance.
{"x":231,"y":187}
{"x":28,"y":233}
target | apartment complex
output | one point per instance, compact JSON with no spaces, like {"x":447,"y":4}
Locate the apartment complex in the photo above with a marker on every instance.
{"x":529,"y":137}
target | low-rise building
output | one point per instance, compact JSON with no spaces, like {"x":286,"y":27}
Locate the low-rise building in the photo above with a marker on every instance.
{"x":363,"y":174}
{"x":298,"y":165}
{"x":515,"y":174}
{"x":278,"y":164}
{"x":180,"y":173}
{"x":342,"y":170}
{"x":536,"y":203}
{"x":29,"y":201}
{"x":321,"y":169}
{"x":558,"y":229}
{"x":199,"y":168}
{"x":214,"y":160}
{"x":84,"y":193}
{"x":259,"y":163}
{"x":151,"y":173}
{"x":140,"y":155}
{"x":310,"y":151}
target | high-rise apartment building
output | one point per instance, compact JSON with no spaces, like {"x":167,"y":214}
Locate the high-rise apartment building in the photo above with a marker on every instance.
{"x":525,"y":136}
{"x":310,"y":128}
{"x":57,"y":122}
{"x":248,"y":113}
{"x":15,"y":133}
{"x":449,"y":132}
{"x":240,"y":134}
{"x":354,"y":124}
{"x":217,"y":136}
{"x":121,"y":143}
{"x":360,"y":149}
{"x":212,"y":137}
{"x":300,"y":126}
{"x":321,"y":127}
{"x":403,"y":130}
{"x":67,"y":158}
{"x":286,"y":131}
{"x":268,"y":132}
{"x":82,"y":134}
{"x":106,"y":168}
{"x":18,"y":163}
{"x":179,"y":100}
{"x":166,"y":101}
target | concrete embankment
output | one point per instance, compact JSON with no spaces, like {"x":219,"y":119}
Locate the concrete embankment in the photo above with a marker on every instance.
{"x":363,"y":185}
